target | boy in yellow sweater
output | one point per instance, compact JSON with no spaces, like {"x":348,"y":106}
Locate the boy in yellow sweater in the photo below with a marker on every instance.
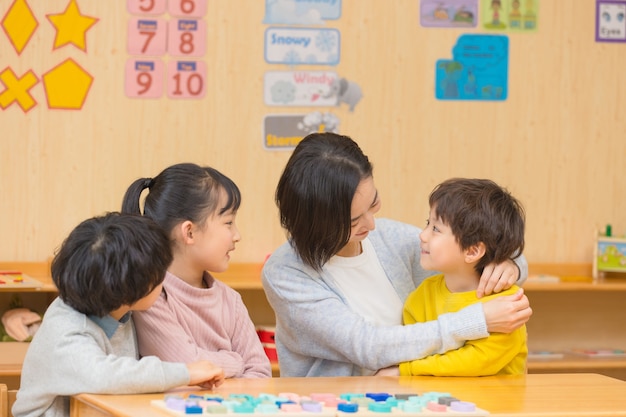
{"x":472,"y":223}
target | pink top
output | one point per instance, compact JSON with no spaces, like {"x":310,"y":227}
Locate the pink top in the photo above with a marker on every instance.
{"x":188,"y":324}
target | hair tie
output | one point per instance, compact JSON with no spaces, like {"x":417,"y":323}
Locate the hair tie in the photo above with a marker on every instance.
{"x":148,"y":183}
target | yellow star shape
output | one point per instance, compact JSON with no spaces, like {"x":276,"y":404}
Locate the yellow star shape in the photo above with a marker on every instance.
{"x":71,"y":26}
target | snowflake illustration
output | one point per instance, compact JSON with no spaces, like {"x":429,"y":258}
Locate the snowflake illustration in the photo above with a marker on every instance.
{"x":292,"y":58}
{"x":326,"y":41}
{"x":310,"y":59}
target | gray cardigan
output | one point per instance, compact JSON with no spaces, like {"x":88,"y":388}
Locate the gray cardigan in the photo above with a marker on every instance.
{"x":71,"y":354}
{"x":317,"y":334}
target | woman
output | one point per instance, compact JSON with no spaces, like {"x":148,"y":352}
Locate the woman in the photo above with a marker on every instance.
{"x":338,"y":285}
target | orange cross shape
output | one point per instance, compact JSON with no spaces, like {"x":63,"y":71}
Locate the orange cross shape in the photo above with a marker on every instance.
{"x":17,"y":89}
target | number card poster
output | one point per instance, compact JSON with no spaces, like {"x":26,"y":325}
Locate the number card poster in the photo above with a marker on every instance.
{"x":166,"y":41}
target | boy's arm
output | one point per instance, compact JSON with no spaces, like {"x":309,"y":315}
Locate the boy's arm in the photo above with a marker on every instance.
{"x":476,"y":358}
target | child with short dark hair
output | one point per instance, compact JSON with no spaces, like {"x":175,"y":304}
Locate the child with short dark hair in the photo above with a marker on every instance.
{"x":472,"y":223}
{"x":108,"y":267}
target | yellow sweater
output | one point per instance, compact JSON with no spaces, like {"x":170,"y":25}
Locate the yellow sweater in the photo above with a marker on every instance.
{"x":498,"y":354}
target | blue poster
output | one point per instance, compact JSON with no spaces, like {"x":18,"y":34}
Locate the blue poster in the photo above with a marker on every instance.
{"x":478,"y":69}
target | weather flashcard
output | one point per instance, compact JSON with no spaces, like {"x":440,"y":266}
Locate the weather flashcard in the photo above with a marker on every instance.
{"x":285,"y":131}
{"x":610,"y":21}
{"x":300,"y":88}
{"x":301,"y":12}
{"x":449,"y":13}
{"x":478,"y":69}
{"x":297,"y":46}
{"x":509,"y":15}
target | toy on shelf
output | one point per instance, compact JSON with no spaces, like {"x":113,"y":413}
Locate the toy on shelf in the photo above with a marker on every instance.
{"x":17,"y":280}
{"x":320,"y":405}
{"x":609,"y":253}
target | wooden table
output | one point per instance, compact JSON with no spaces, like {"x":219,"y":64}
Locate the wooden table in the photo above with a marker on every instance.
{"x":550,"y":395}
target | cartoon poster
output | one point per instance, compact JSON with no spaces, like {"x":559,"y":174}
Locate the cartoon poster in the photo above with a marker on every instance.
{"x":301,"y":12}
{"x":509,"y":15}
{"x":610,"y":21}
{"x":478,"y":69}
{"x":448,"y":13}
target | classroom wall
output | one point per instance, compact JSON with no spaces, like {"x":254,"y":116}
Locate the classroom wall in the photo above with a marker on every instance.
{"x":557,"y":142}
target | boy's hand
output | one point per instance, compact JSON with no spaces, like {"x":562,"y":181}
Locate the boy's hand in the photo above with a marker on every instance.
{"x":205,"y":374}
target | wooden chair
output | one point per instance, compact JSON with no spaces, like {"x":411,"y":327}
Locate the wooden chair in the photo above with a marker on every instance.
{"x":4,"y":401}
{"x":7,"y":398}
{"x":12,"y":394}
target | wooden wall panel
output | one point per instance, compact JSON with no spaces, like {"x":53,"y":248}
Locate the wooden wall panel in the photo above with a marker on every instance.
{"x":557,"y":142}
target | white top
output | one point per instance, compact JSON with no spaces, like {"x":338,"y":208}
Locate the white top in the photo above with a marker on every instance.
{"x":366,"y":287}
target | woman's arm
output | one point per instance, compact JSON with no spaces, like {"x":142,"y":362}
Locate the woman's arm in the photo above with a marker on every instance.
{"x":314,"y":322}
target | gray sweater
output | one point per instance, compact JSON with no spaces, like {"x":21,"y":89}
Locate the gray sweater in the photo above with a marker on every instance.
{"x":317,"y":334}
{"x":72,"y":354}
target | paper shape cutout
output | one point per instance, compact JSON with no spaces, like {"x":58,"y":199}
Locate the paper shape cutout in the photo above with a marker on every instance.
{"x":71,"y":27}
{"x":477,"y":71}
{"x":19,"y":24}
{"x":17,"y":90}
{"x":67,"y":85}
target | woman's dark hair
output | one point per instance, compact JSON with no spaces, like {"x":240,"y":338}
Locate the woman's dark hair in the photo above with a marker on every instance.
{"x":182,"y":192}
{"x":110,"y":261}
{"x":479,"y":210}
{"x":314,"y":194}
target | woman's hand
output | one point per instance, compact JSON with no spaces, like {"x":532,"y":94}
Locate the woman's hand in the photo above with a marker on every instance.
{"x":497,"y":277}
{"x":507,"y":313}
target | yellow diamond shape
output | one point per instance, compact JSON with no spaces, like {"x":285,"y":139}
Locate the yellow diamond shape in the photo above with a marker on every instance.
{"x":19,"y":24}
{"x":67,"y":85}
